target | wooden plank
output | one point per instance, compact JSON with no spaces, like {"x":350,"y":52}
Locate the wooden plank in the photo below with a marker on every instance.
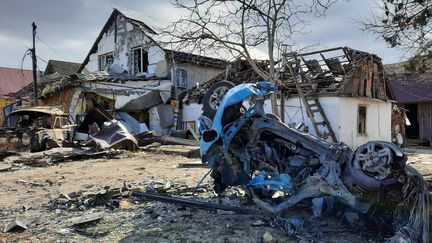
{"x":368,"y":90}
{"x":362,"y":81}
{"x":375,"y":80}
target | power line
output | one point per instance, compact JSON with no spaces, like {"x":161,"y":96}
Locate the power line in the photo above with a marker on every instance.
{"x":49,"y":46}
{"x":40,"y":58}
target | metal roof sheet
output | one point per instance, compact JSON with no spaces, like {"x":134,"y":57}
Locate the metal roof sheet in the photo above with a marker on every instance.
{"x":39,"y":109}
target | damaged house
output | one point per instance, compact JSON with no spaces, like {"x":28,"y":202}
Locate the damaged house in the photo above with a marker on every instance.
{"x":340,"y":94}
{"x":131,"y":77}
{"x":413,"y":92}
{"x":12,"y":81}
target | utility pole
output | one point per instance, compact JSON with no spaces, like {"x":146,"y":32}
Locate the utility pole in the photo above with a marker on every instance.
{"x":33,"y":50}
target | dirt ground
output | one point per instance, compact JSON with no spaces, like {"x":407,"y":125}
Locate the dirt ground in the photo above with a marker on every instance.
{"x":149,"y":221}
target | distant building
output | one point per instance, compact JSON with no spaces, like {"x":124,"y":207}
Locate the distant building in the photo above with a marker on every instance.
{"x":12,"y":80}
{"x":413,"y":92}
{"x":61,"y":68}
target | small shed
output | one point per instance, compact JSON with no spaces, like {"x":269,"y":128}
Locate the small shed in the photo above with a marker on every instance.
{"x":413,"y":92}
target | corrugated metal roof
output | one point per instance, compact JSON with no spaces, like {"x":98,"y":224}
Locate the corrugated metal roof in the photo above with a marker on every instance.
{"x":13,"y":79}
{"x":412,"y":88}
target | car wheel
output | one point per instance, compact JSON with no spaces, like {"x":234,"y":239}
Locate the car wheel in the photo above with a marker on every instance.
{"x":213,"y":97}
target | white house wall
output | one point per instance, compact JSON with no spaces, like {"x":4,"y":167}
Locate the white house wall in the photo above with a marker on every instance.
{"x":342,"y":113}
{"x":192,"y":112}
{"x":128,"y":37}
{"x":378,"y":120}
{"x":295,"y":113}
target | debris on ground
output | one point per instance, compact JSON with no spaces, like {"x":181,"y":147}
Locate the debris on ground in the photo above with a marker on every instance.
{"x":196,"y":164}
{"x":168,"y":140}
{"x":57,"y":155}
{"x":84,"y":219}
{"x":16,"y":225}
{"x":181,"y":150}
{"x":111,"y":135}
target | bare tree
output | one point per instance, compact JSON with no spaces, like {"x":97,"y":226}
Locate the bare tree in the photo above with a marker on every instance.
{"x":404,"y":24}
{"x":237,"y":27}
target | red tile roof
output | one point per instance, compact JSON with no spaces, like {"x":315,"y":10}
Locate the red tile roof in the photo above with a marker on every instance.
{"x":12,"y":80}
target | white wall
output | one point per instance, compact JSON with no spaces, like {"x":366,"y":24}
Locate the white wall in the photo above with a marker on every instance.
{"x":342,"y":114}
{"x":128,"y":36}
{"x":295,"y":112}
{"x":378,"y":120}
{"x":192,"y":112}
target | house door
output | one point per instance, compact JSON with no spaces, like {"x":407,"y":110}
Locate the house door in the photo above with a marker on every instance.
{"x":412,"y":131}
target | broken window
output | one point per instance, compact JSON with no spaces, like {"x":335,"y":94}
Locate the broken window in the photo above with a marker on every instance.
{"x":139,"y":60}
{"x":361,"y":120}
{"x":105,"y":60}
{"x":181,"y":78}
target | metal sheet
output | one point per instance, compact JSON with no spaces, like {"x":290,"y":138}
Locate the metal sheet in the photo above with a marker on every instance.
{"x":166,"y":115}
{"x":148,"y":100}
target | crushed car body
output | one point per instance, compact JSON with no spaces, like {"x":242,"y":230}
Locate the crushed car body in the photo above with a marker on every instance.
{"x":247,"y":147}
{"x":37,"y":129}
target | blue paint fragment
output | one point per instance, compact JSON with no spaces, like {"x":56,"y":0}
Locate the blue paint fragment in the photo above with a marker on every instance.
{"x":264,"y":181}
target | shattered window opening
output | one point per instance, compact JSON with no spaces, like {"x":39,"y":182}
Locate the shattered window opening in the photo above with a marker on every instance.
{"x":181,"y":77}
{"x":105,"y":60}
{"x":361,"y":120}
{"x":139,"y":60}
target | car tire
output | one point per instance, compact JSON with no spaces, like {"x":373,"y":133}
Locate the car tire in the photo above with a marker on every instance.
{"x":214,"y":96}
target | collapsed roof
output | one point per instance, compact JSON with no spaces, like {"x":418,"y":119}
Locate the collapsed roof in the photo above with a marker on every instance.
{"x":341,"y":71}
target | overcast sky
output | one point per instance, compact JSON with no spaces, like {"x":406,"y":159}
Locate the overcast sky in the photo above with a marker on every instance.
{"x":70,"y":27}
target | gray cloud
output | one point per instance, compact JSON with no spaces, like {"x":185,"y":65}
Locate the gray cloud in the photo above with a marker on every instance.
{"x":72,"y":26}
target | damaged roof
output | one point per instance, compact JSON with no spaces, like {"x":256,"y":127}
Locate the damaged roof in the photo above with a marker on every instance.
{"x":106,"y":27}
{"x":183,"y":57}
{"x":39,"y":109}
{"x":412,"y":87}
{"x":340,"y":71}
{"x":179,"y":56}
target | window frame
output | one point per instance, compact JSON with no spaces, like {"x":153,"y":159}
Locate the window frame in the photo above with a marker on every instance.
{"x":104,"y":57}
{"x":181,"y":78}
{"x":143,"y":68}
{"x":364,"y":127}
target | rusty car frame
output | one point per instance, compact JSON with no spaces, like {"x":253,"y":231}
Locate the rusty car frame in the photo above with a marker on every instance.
{"x":37,"y":129}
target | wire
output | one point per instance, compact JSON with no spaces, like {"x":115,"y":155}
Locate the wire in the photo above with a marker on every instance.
{"x":49,"y":46}
{"x":38,"y":57}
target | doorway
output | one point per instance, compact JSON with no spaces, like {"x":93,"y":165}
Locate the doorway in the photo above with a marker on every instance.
{"x":412,"y":131}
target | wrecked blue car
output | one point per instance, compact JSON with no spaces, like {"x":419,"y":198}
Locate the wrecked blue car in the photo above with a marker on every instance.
{"x":244,"y":146}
